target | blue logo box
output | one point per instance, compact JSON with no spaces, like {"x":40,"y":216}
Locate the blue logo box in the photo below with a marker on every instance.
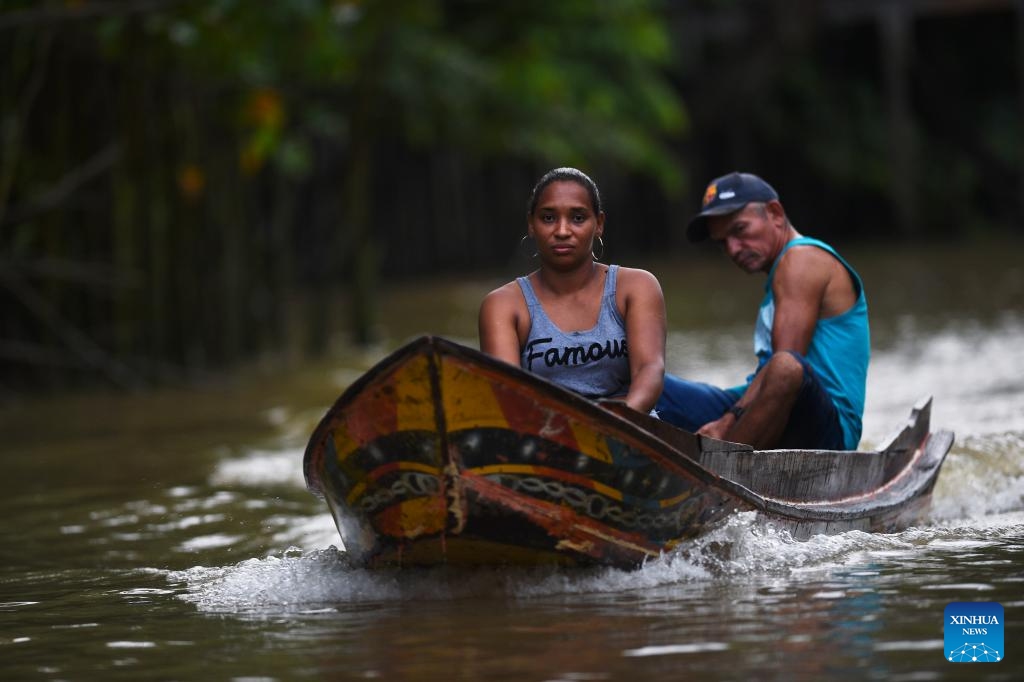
{"x":973,"y":632}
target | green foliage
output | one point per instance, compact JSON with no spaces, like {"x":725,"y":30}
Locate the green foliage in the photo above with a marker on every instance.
{"x":560,"y":81}
{"x":219,"y":155}
{"x":174,"y":172}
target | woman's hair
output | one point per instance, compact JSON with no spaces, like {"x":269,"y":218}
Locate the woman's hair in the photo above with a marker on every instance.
{"x":563,"y":174}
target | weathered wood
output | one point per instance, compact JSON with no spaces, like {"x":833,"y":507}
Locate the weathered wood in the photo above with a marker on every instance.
{"x":440,"y":454}
{"x":809,"y":475}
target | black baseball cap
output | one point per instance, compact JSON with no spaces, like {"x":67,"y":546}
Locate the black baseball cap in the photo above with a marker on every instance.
{"x":728,"y":194}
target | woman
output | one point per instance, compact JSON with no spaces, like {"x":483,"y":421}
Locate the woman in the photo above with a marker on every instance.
{"x":596,"y":329}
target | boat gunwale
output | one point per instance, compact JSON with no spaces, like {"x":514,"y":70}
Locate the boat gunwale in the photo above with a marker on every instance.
{"x":911,"y":480}
{"x":438,"y":346}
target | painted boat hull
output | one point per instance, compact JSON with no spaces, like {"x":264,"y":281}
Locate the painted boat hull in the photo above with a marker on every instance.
{"x":441,"y":454}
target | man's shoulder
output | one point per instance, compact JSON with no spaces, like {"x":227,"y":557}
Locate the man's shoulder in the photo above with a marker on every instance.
{"x":796,"y":259}
{"x":808,"y":271}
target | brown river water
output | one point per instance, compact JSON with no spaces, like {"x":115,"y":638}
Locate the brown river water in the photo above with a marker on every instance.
{"x":169,"y":536}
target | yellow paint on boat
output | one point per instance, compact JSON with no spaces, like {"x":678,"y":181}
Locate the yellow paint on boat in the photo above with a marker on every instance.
{"x":468,"y":399}
{"x":344,"y":444}
{"x":414,"y":399}
{"x":677,"y":499}
{"x":590,"y":442}
{"x":412,"y":518}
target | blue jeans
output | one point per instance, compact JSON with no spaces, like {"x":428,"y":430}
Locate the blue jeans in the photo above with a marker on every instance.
{"x":813,"y":422}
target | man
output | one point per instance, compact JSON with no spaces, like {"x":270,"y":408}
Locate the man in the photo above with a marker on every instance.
{"x":811,"y":337}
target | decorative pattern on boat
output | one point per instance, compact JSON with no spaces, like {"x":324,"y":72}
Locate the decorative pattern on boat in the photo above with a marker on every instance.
{"x":440,"y":454}
{"x":405,"y":468}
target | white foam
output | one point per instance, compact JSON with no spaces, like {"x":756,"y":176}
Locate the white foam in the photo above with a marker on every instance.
{"x":740,"y":547}
{"x":975,"y":374}
{"x":673,"y":649}
{"x":261,"y":468}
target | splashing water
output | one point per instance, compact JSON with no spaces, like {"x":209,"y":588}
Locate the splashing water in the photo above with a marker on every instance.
{"x":980,"y":494}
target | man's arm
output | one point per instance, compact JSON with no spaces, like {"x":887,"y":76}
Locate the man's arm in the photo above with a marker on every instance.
{"x":799,"y":288}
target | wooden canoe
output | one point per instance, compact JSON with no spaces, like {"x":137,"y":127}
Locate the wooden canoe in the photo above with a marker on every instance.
{"x":441,"y":454}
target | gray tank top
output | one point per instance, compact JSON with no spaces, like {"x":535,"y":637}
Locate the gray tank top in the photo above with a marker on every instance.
{"x":594,"y":362}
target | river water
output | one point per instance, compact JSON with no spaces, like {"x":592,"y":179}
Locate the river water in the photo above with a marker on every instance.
{"x":169,"y":536}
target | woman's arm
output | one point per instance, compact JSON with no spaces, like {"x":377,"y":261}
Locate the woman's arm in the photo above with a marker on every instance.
{"x":642,"y":305}
{"x":498,"y":323}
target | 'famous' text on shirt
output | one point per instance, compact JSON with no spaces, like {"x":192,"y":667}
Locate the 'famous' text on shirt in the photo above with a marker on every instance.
{"x":574,"y":355}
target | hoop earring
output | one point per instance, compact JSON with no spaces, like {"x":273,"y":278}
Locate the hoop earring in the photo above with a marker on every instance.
{"x":599,"y":256}
{"x":523,"y":241}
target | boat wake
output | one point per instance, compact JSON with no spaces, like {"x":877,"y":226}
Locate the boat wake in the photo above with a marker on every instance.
{"x":983,"y":475}
{"x":298,"y":581}
{"x":978,"y":501}
{"x":738,"y":551}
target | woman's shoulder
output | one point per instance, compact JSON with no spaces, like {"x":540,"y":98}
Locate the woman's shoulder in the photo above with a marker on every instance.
{"x":508,"y":295}
{"x":637,"y":278}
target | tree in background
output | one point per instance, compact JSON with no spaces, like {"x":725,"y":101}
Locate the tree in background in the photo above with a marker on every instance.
{"x":215,"y":121}
{"x":185,"y":183}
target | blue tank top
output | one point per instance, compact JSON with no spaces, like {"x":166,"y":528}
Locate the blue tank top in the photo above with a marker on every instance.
{"x":594,"y":362}
{"x":839,"y":350}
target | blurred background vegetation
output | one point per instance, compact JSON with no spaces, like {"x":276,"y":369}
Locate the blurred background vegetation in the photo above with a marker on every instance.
{"x":189,"y":185}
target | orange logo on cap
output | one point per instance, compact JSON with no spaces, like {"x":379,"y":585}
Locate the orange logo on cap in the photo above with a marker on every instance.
{"x":710,"y":193}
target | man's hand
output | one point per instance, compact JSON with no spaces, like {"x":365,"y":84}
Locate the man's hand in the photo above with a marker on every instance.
{"x":718,"y":428}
